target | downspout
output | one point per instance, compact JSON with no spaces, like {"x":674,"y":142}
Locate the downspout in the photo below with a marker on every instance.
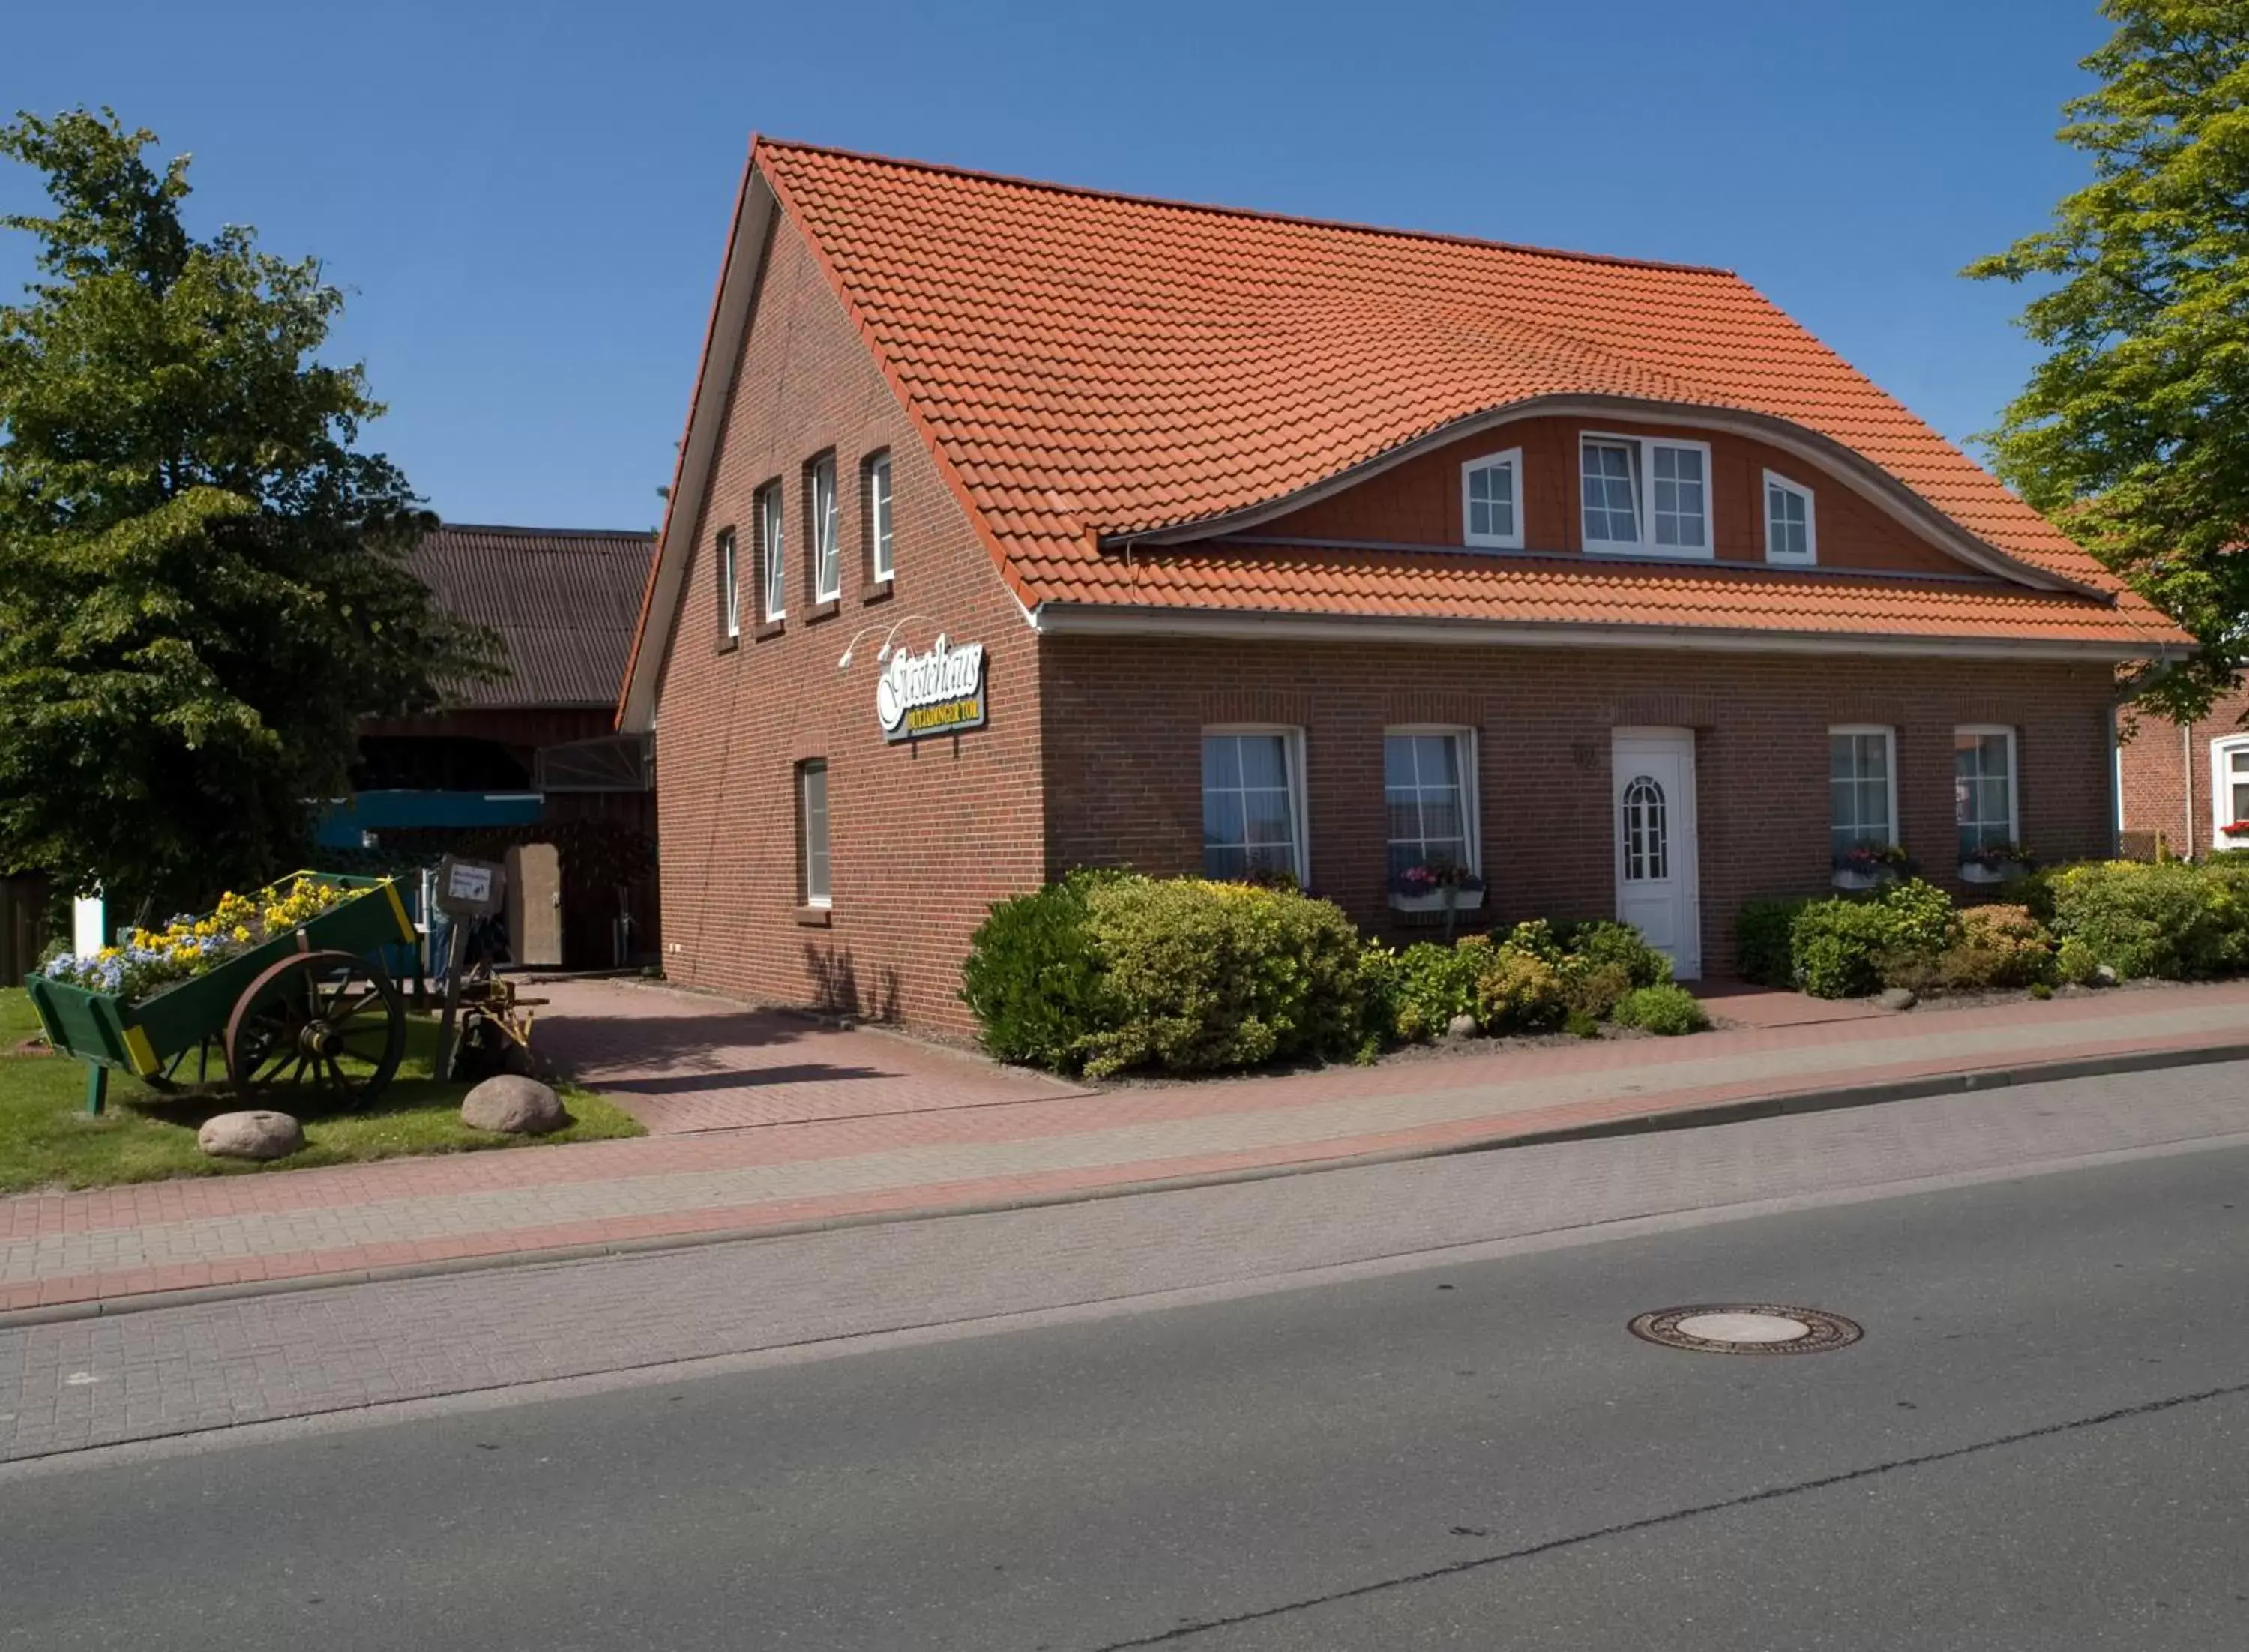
{"x":2186,"y":778}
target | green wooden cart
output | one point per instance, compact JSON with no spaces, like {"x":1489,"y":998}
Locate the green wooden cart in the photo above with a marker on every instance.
{"x":305,"y":1019}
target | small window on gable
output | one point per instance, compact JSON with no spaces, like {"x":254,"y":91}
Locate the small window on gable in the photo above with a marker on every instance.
{"x":1491,"y":501}
{"x":881,"y":564}
{"x":1791,"y":533}
{"x":1645,"y":494}
{"x":730,"y":589}
{"x":772,"y":561}
{"x":827,"y":554}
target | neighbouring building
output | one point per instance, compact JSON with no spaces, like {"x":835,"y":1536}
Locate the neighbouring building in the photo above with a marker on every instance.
{"x":2181,"y":784}
{"x":1019,"y":527}
{"x":533,"y":756}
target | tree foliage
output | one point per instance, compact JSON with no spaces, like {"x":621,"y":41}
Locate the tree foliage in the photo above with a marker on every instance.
{"x":2133,"y":434}
{"x":202,"y":587}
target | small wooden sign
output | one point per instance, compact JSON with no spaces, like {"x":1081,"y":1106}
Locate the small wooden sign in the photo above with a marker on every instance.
{"x":470,"y":888}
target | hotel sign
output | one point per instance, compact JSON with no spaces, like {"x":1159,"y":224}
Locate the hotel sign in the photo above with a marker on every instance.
{"x":940,"y":692}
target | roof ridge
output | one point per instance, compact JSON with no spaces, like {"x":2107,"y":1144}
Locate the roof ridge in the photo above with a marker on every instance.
{"x":545,"y":534}
{"x":760,"y":142}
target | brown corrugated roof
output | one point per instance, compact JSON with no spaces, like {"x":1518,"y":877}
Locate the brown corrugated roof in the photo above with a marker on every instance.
{"x":563,"y":602}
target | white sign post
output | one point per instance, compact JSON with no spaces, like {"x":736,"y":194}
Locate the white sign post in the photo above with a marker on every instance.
{"x":89,"y":925}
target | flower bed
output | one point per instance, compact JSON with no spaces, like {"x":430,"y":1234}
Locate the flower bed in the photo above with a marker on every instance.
{"x":154,"y":959}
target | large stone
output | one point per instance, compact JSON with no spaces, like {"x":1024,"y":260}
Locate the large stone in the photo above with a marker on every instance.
{"x":1461,"y":1026}
{"x":517,"y":1106}
{"x":254,"y":1135}
{"x":1897,"y":998}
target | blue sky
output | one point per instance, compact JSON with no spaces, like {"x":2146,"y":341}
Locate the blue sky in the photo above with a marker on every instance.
{"x":528,"y":202}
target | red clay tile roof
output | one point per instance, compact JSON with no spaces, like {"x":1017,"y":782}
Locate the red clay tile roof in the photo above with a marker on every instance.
{"x":1090,"y":366}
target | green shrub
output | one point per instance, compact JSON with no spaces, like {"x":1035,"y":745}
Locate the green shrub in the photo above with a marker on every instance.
{"x":1199,"y":977}
{"x":1032,"y":978}
{"x":1536,"y":938}
{"x":1436,"y":983}
{"x":2040,"y":990}
{"x":1521,"y":992}
{"x":1594,"y":990}
{"x":1999,"y":946}
{"x":1666,"y":1010}
{"x":1579,"y":1024}
{"x":1763,"y":948}
{"x":2225,"y":884}
{"x":2141,"y":919}
{"x":1844,"y":948}
{"x":1836,"y":946}
{"x":1381,"y":973}
{"x":2075,"y":964}
{"x":1600,"y":943}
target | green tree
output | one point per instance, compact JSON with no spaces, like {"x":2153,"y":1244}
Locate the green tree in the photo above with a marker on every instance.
{"x":2133,"y":434}
{"x":202,"y":587}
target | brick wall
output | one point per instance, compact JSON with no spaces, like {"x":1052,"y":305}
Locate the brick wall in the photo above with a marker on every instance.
{"x":2166,"y":780}
{"x":923,"y":837}
{"x":1419,"y":502}
{"x":1123,"y":754}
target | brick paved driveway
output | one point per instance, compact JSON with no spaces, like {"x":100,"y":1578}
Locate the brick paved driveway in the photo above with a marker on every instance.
{"x":682,"y":1061}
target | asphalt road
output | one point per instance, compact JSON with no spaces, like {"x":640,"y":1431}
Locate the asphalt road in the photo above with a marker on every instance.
{"x":2042,"y":1442}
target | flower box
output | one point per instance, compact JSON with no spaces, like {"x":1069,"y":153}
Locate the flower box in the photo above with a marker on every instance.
{"x":2005,"y":872}
{"x":1438,"y":900}
{"x":1849,"y":878}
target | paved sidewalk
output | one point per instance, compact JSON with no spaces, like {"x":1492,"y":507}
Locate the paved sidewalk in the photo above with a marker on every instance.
{"x":994,"y":1140}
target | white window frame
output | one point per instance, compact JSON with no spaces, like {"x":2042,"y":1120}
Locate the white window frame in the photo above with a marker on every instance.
{"x":2014,"y":761}
{"x":1292,"y":742}
{"x":824,"y":519}
{"x":730,"y":586}
{"x":1811,"y":557}
{"x":882,"y":525}
{"x":825,"y":898}
{"x":1889,"y":765}
{"x":1471,"y":816}
{"x":2221,"y":790}
{"x":1511,"y":460}
{"x":773,"y":552}
{"x":1643,"y":490}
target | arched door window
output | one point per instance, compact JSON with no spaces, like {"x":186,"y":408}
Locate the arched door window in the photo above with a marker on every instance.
{"x":1647,"y":832}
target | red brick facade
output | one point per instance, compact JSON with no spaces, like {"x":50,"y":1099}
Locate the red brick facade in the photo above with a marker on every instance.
{"x":1092,"y":754}
{"x":2167,"y":777}
{"x":925,"y":836}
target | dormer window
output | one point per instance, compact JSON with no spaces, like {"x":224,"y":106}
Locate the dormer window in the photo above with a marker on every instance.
{"x":1641,"y":494}
{"x":1491,"y":501}
{"x":1791,"y":534}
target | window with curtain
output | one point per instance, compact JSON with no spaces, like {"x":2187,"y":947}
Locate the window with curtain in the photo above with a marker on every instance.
{"x":1984,"y":788}
{"x":1428,"y":784}
{"x":812,"y":830}
{"x":1859,"y":789}
{"x":1250,"y":815}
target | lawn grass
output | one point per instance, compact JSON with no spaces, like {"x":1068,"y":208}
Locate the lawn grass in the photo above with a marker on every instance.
{"x":48,"y":1141}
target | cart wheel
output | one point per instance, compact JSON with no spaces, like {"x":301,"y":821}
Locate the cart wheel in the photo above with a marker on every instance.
{"x":317,"y":1026}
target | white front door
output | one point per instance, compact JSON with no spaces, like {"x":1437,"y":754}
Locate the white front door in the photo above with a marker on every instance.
{"x":1658,"y":878}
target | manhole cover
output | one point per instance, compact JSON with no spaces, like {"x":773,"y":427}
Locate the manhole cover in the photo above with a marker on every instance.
{"x":1737,"y":1327}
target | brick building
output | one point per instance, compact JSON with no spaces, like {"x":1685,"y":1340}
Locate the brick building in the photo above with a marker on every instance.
{"x":2181,"y":785}
{"x":1019,"y":527}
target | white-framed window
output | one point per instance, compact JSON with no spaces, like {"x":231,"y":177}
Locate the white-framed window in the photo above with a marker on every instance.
{"x":1645,"y":828}
{"x":812,"y":830}
{"x":1645,"y":494}
{"x":1861,"y":788}
{"x":1430,"y":788}
{"x":2229,"y":790}
{"x":1791,"y":531}
{"x":1984,"y":787}
{"x":827,"y":554}
{"x":881,"y":565}
{"x":1253,"y":802}
{"x":1491,"y":501}
{"x":772,"y":569}
{"x":730,"y":588}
